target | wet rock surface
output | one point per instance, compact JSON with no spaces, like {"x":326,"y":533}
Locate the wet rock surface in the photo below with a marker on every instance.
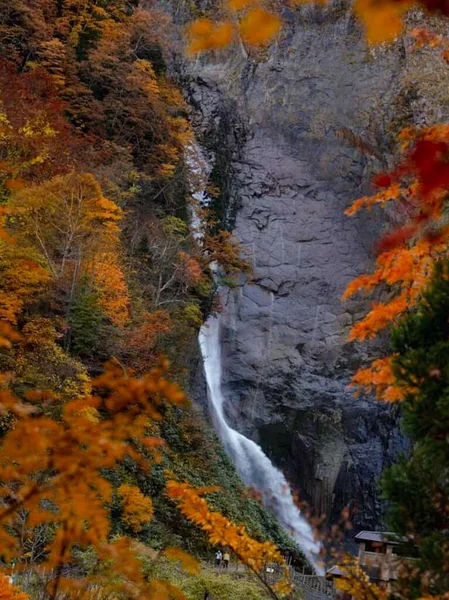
{"x":290,"y":175}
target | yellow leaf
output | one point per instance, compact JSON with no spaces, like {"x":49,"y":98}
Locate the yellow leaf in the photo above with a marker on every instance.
{"x":189,"y":564}
{"x":382,"y":19}
{"x":205,"y":35}
{"x":259,"y":26}
{"x":222,"y":35}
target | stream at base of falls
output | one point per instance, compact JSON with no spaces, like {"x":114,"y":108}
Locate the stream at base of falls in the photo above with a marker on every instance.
{"x":251,"y":463}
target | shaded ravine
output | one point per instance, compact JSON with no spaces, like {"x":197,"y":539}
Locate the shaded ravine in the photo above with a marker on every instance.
{"x":253,"y":466}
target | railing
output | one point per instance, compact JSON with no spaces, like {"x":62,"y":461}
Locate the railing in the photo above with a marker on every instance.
{"x":313,"y":586}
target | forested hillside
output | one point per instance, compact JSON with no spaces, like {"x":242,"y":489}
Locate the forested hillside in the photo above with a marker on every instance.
{"x":97,"y":260}
{"x":93,"y":132}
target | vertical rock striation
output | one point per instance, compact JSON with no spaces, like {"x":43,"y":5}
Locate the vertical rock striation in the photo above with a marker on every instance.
{"x":288,"y":175}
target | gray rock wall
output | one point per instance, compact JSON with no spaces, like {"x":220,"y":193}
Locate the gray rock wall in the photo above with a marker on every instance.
{"x":287,"y":362}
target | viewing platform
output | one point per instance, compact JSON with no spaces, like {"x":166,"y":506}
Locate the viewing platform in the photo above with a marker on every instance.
{"x":380,"y":554}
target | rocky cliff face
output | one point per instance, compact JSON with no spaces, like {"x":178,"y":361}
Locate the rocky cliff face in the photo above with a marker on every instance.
{"x":274,"y":121}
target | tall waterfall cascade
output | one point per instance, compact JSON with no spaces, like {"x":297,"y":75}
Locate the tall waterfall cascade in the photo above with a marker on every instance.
{"x":253,"y":466}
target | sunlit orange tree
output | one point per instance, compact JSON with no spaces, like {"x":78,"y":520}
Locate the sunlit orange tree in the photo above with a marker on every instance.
{"x":53,"y":474}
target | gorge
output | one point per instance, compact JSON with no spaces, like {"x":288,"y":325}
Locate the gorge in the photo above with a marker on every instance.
{"x":278,"y":122}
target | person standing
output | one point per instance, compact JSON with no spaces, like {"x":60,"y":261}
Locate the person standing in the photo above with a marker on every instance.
{"x":218,"y":557}
{"x":226,"y":559}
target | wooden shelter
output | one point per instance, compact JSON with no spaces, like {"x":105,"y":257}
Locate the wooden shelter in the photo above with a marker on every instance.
{"x":379,"y":555}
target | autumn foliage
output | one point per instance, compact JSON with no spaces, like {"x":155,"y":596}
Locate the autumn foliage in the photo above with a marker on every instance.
{"x":62,"y":483}
{"x":221,"y":531}
{"x":417,"y":189}
{"x":356,"y":583}
{"x":137,"y":508}
{"x":411,"y":274}
{"x":10,"y":592}
{"x":256,"y":23}
{"x":95,"y":261}
{"x":100,"y":129}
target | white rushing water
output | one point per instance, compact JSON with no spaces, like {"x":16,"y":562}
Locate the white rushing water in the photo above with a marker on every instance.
{"x":253,"y":466}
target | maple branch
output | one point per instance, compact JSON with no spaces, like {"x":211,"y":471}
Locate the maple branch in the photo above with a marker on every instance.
{"x":259,"y":577}
{"x":55,"y":586}
{"x":16,"y":505}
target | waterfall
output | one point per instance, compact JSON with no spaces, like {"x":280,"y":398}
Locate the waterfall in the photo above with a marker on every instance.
{"x":253,"y":466}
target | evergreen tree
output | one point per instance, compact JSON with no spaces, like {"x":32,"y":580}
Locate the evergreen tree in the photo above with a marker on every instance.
{"x":87,"y":321}
{"x":417,"y":487}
